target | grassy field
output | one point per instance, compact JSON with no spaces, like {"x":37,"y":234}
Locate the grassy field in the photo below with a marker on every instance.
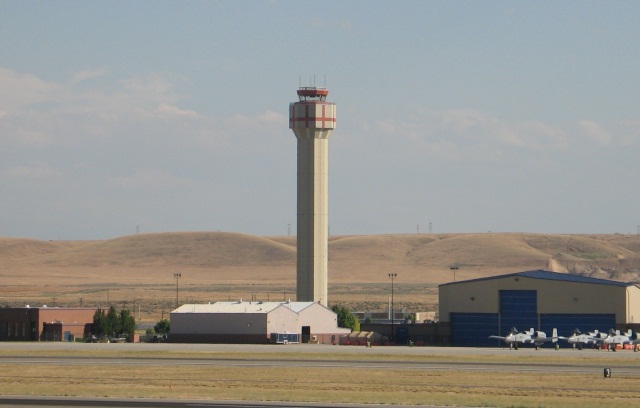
{"x":410,"y":386}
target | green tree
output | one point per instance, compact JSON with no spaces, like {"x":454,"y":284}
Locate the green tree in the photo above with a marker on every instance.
{"x":345,"y":318}
{"x":162,"y":327}
{"x":127,"y":323}
{"x":113,"y":321}
{"x":100,"y":325}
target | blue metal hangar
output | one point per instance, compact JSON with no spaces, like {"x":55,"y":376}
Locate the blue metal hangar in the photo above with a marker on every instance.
{"x":478,"y":308}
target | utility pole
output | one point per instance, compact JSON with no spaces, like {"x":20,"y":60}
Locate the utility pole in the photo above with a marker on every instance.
{"x":392,"y":276}
{"x":177,"y":277}
{"x":454,"y":268}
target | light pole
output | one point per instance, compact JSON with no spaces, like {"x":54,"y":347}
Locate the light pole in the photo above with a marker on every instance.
{"x":392,"y":276}
{"x":177,"y":276}
{"x":454,"y":268}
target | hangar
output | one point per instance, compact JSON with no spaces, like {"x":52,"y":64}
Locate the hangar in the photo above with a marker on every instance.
{"x":479,"y":308}
{"x":254,"y":322}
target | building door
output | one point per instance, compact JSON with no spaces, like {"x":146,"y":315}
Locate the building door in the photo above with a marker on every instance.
{"x":401,"y":335}
{"x":306,"y":334}
{"x":567,"y":323}
{"x":519,"y":309}
{"x":474,"y":329}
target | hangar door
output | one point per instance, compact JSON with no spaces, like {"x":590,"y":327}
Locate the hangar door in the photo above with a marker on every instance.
{"x":519,"y":309}
{"x":473,"y":329}
{"x":566,"y":323}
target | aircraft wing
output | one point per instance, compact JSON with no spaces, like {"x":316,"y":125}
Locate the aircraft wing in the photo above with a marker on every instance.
{"x":541,"y":340}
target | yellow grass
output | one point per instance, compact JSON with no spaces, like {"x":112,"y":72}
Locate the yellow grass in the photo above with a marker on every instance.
{"x":358,"y":385}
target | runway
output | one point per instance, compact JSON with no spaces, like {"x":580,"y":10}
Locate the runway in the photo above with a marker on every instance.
{"x":316,"y":356}
{"x":23,"y":349}
{"x":21,"y":402}
{"x":588,"y":362}
{"x":618,"y":365}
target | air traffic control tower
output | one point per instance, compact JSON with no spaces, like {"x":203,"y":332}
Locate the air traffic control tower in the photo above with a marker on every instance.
{"x":312,"y":119}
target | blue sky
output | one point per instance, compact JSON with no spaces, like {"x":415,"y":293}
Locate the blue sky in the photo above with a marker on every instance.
{"x":154,"y":116}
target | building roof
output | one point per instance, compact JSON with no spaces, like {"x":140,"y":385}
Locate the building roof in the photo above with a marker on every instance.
{"x":45,"y":307}
{"x":546,"y":275}
{"x":241,"y":307}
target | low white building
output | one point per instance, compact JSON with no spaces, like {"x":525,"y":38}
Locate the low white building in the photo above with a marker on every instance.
{"x":254,"y":322}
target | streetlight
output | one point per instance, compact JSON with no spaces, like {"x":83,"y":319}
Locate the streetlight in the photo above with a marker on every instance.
{"x":177,"y":276}
{"x":454,"y":268}
{"x":392,"y":276}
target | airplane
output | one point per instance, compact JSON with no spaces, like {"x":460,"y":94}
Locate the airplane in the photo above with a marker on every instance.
{"x":537,"y":338}
{"x":578,"y":339}
{"x":614,"y":338}
{"x":598,"y":337}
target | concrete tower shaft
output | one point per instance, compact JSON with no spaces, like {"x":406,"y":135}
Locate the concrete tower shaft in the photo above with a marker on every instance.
{"x":312,"y":119}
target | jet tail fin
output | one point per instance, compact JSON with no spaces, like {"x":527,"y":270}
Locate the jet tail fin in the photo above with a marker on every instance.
{"x":554,"y":335}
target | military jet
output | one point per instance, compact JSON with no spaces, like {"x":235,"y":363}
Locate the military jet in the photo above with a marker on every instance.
{"x":537,"y":338}
{"x":615,"y":337}
{"x":579,"y":339}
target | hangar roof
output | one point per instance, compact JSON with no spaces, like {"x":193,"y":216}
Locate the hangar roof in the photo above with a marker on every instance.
{"x":546,"y":275}
{"x":241,"y":307}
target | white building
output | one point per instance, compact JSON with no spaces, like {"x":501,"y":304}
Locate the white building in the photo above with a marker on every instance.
{"x":253,"y":322}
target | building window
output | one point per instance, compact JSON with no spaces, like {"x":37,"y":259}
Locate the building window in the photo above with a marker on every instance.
{"x":16,"y":330}
{"x":8,"y":329}
{"x":24,"y":329}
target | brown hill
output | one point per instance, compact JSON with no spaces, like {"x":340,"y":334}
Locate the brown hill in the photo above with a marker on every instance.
{"x":220,"y":266}
{"x":19,"y":248}
{"x":421,"y":258}
{"x":199,"y":249}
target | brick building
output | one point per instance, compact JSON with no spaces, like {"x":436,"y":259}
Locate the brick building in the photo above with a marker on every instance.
{"x":45,"y":323}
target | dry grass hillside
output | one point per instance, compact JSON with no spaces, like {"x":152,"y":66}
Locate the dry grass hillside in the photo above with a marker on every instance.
{"x":222,"y":266}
